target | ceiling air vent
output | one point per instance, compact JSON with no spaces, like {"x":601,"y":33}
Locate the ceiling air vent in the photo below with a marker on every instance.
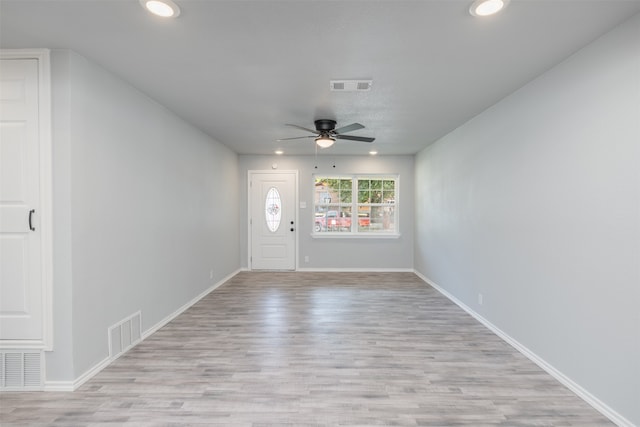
{"x":350,"y":85}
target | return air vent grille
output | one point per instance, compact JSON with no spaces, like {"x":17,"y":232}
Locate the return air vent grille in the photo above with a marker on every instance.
{"x":21,"y":370}
{"x":350,"y":85}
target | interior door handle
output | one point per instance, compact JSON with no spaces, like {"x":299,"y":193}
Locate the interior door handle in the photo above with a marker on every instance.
{"x":31,"y":227}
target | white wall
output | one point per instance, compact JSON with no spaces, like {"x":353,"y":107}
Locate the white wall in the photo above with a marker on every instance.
{"x":535,"y":203}
{"x":339,"y":253}
{"x":59,"y":363}
{"x":145,"y":205}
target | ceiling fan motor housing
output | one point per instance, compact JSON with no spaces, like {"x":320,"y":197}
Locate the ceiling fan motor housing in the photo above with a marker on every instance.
{"x":325,"y":125}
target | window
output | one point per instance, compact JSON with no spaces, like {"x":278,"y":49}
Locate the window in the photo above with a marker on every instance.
{"x":272,"y":211}
{"x":355,"y":205}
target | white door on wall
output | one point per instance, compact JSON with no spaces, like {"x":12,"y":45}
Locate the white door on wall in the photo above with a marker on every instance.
{"x":21,"y":293}
{"x":272,"y":220}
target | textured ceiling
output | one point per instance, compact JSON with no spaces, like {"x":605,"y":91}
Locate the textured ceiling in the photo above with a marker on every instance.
{"x":239,"y":70}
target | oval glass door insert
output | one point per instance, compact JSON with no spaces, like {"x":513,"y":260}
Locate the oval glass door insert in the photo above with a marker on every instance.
{"x":273,"y":209}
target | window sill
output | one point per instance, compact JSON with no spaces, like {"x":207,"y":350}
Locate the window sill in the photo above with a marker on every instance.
{"x":329,"y":235}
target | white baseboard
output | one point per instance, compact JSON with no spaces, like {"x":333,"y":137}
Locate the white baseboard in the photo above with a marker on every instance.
{"x":92,"y":372}
{"x":74,"y":385}
{"x":357,"y":270}
{"x":179,"y":311}
{"x":596,"y":403}
{"x":58,"y":386}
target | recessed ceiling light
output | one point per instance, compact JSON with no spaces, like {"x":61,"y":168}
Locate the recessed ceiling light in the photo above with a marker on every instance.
{"x":487,"y":7}
{"x":163,"y":8}
{"x":373,"y":153}
{"x":279,"y":152}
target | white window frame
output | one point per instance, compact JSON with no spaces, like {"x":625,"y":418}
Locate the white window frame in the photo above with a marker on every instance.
{"x":354,"y":233}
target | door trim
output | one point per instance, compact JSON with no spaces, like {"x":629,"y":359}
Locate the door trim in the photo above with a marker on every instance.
{"x":250,"y":174}
{"x":46,"y":195}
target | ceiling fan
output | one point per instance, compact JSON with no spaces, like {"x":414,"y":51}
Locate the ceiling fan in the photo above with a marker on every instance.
{"x":326,"y":133}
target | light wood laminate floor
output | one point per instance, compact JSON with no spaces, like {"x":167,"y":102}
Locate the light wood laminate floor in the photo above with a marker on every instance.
{"x":315,"y":349}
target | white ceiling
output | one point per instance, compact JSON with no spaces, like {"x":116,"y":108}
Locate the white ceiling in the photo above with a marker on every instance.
{"x":239,"y":70}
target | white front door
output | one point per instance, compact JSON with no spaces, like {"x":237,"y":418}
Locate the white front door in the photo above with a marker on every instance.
{"x":21,"y":293}
{"x":272,"y":220}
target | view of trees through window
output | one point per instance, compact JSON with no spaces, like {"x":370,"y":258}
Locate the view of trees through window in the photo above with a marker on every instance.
{"x":371,"y":198}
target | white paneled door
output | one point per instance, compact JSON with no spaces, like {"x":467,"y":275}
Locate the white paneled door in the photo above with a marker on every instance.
{"x":272,"y":220}
{"x":21,"y":292}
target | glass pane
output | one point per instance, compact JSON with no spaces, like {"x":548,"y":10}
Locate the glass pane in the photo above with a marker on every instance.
{"x":376,"y":184}
{"x":364,"y":219}
{"x":363,"y":196}
{"x":363,"y":184}
{"x":322,"y":194}
{"x":382,"y":219}
{"x":332,"y":190}
{"x":273,"y":209}
{"x":376,"y":197}
{"x":332,"y":184}
{"x":389,"y":196}
{"x":389,"y":185}
{"x":332,"y":218}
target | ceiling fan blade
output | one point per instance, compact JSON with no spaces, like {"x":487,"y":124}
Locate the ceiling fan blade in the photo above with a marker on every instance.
{"x":355,"y":138}
{"x":300,"y":127}
{"x":349,"y":128}
{"x":297,"y":137}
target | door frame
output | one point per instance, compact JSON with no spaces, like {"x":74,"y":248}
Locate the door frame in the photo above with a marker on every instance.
{"x":250,"y":175}
{"x":46,"y":195}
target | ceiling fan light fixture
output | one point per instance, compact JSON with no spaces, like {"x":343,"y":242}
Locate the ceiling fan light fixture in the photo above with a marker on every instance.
{"x":162,"y":8}
{"x":325,"y":141}
{"x":487,"y":7}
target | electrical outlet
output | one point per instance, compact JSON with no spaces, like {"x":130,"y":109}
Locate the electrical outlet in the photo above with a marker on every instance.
{"x":480,"y":299}
{"x":306,"y":258}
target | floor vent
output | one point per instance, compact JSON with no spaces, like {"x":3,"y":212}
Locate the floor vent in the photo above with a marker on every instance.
{"x":21,"y":370}
{"x":125,"y":334}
